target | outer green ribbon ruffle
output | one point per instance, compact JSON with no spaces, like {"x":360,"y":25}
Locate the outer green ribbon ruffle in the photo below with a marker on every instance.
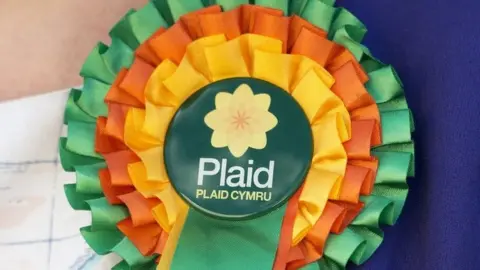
{"x":70,"y":160}
{"x":277,"y":4}
{"x":226,"y":4}
{"x":356,"y":244}
{"x":87,"y":178}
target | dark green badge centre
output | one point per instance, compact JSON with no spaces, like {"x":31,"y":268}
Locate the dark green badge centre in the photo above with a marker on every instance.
{"x":238,"y":148}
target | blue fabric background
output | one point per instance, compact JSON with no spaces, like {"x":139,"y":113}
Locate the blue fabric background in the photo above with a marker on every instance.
{"x":435,"y":47}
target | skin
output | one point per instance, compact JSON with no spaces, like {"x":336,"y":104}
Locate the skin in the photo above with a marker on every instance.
{"x":43,"y":43}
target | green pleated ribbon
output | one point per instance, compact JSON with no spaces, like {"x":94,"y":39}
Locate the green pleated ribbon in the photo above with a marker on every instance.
{"x":277,"y":4}
{"x":87,"y":178}
{"x":206,"y":243}
{"x":226,"y":4}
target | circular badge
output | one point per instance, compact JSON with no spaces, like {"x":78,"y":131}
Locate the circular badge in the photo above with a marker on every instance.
{"x":238,"y":148}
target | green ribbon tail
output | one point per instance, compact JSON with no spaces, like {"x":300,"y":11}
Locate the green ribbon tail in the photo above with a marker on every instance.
{"x":210,"y":244}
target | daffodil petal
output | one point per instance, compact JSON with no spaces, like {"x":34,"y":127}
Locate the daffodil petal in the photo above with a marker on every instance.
{"x":262,"y":121}
{"x":222,"y":100}
{"x":219,"y":139}
{"x":263,"y":101}
{"x":270,"y":121}
{"x":218,"y":120}
{"x":258,"y":141}
{"x":243,"y":95}
{"x":238,"y":142}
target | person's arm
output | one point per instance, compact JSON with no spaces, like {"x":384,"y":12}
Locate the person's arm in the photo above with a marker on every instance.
{"x":44,"y":43}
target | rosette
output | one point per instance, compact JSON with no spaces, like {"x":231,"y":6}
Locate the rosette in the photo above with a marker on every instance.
{"x":237,"y":135}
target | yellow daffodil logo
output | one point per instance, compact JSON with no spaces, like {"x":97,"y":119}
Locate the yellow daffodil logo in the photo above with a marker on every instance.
{"x":240,"y":120}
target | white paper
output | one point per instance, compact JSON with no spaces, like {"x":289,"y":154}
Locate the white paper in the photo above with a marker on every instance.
{"x":38,"y":228}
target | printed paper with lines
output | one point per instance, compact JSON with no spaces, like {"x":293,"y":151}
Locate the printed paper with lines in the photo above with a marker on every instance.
{"x":38,"y":229}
